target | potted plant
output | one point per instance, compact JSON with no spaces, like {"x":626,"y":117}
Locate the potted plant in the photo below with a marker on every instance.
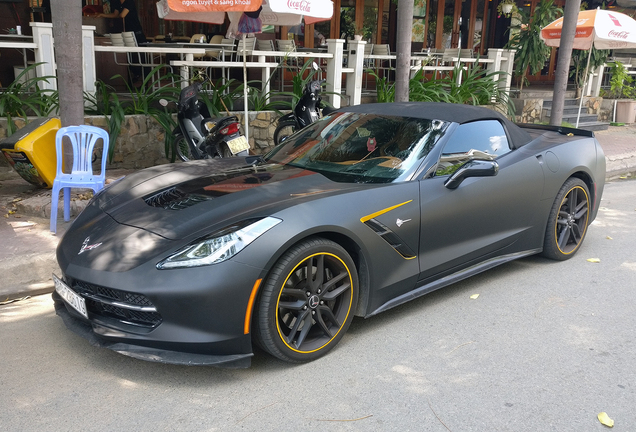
{"x":580,"y":65}
{"x":506,"y":8}
{"x":622,"y":90}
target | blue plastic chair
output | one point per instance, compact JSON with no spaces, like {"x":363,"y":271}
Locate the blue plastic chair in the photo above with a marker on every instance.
{"x":83,"y":139}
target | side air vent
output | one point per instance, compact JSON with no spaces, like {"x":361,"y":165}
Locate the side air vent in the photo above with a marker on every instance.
{"x":390,"y":237}
{"x":174,"y":199}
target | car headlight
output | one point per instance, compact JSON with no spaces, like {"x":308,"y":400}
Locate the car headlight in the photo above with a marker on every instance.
{"x":219,"y":246}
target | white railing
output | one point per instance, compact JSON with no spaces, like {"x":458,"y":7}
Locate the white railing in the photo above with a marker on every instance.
{"x":497,"y":60}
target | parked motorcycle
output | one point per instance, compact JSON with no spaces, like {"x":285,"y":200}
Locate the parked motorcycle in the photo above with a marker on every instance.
{"x":199,"y":136}
{"x":308,"y":109}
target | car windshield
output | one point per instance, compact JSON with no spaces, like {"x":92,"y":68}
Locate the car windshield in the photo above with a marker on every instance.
{"x":361,"y":148}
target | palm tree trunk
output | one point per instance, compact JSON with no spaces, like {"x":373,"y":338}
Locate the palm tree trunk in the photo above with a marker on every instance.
{"x":570,"y":16}
{"x":403,"y":63}
{"x":67,"y":32}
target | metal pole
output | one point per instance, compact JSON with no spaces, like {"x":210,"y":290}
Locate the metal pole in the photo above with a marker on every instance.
{"x":245,"y":120}
{"x":584,"y":84}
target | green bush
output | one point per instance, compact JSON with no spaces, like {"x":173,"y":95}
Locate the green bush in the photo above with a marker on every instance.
{"x":22,"y":99}
{"x":477,"y":87}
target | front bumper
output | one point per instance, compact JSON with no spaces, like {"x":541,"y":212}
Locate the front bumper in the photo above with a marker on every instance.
{"x":197,"y":316}
{"x":90,"y":333}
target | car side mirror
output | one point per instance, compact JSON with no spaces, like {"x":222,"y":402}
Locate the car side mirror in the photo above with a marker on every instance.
{"x":474,"y":168}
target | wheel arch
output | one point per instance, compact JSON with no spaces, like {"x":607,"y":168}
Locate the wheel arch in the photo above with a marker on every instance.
{"x":354,"y":250}
{"x":587,"y":179}
{"x":580,"y":174}
{"x":362,"y":266}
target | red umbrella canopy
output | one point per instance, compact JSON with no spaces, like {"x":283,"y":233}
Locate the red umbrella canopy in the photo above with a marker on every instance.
{"x":214,"y":5}
{"x":274,"y":12}
{"x":605,"y":29}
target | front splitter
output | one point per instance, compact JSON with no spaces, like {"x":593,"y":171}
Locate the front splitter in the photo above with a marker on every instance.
{"x":85,"y":330}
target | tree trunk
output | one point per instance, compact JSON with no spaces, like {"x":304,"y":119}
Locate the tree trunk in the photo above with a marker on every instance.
{"x":67,"y":32}
{"x":523,"y":79}
{"x":403,"y":48}
{"x":570,"y":17}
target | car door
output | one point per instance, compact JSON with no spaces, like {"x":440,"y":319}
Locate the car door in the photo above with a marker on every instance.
{"x":485,"y":216}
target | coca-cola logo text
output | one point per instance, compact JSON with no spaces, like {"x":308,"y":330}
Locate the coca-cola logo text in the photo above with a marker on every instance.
{"x":303,"y":6}
{"x":618,"y":35}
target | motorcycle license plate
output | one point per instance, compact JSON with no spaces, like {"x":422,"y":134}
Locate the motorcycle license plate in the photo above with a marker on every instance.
{"x":237,"y":145}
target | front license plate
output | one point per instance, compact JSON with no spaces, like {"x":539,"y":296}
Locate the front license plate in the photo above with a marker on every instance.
{"x":78,"y":303}
{"x":238,"y":145}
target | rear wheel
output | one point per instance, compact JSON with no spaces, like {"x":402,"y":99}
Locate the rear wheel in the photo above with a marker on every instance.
{"x":224,"y":151}
{"x":283,"y":130}
{"x":181,"y":148}
{"x":568,"y":220}
{"x":307,"y":302}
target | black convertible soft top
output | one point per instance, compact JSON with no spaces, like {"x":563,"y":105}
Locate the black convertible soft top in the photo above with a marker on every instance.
{"x":446,"y":112}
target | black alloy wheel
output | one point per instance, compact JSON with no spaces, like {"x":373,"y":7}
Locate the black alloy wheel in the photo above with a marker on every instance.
{"x":568,"y":220}
{"x":283,"y":130}
{"x":308,"y":301}
{"x":181,"y":148}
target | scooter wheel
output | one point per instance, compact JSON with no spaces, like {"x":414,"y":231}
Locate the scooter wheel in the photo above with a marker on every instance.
{"x":224,"y":151}
{"x":283,"y":130}
{"x":181,"y":148}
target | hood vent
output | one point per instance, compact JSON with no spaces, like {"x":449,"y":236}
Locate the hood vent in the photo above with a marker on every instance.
{"x":174,"y":199}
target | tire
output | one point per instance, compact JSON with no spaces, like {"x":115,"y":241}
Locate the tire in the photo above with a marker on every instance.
{"x":224,"y":151}
{"x":297,"y":320}
{"x":181,"y":148}
{"x":283,"y":130}
{"x":568,"y":221}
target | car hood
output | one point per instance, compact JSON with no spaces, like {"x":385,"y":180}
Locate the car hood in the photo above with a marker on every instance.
{"x":178,"y":200}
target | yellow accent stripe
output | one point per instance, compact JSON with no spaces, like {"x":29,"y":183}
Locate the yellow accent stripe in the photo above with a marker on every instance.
{"x":280,"y":333}
{"x":250,"y":303}
{"x":381,"y":212}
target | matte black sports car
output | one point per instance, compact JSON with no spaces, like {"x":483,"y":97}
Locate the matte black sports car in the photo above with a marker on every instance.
{"x":366,"y":209}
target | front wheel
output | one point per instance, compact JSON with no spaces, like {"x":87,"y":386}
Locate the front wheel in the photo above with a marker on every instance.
{"x":307,"y":302}
{"x":181,"y":148}
{"x":568,"y":221}
{"x":283,"y":130}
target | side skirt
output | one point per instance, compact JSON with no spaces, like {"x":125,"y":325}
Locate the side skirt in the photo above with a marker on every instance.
{"x":451,"y":279}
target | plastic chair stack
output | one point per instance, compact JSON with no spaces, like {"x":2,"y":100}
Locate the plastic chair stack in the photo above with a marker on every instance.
{"x":82,"y":139}
{"x":268,"y":45}
{"x":198,"y":38}
{"x":383,"y":65}
{"x":287,"y":63}
{"x":245,"y":48}
{"x":367,"y":63}
{"x":216,"y":52}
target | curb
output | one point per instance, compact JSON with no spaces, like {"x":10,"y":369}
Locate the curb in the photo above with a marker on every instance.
{"x":621,"y":165}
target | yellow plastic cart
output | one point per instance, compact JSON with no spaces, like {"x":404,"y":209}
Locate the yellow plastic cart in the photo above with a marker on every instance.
{"x":31,"y":151}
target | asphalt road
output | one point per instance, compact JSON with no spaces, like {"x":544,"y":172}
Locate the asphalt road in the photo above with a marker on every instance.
{"x":545,"y":347}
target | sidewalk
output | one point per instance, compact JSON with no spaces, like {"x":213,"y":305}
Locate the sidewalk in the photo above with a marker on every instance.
{"x":27,"y":249}
{"x":619,"y":145}
{"x":27,"y":252}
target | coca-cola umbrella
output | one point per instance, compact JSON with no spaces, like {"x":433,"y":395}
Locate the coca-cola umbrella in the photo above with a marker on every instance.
{"x":599,"y":28}
{"x":246,"y":16}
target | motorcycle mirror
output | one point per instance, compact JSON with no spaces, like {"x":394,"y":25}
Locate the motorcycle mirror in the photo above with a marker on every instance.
{"x":163,"y":102}
{"x":314,"y":65}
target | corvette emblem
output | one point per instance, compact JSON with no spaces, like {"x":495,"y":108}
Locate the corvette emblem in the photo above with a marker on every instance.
{"x":314,"y":301}
{"x":86,"y":247}
{"x":399,"y":222}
